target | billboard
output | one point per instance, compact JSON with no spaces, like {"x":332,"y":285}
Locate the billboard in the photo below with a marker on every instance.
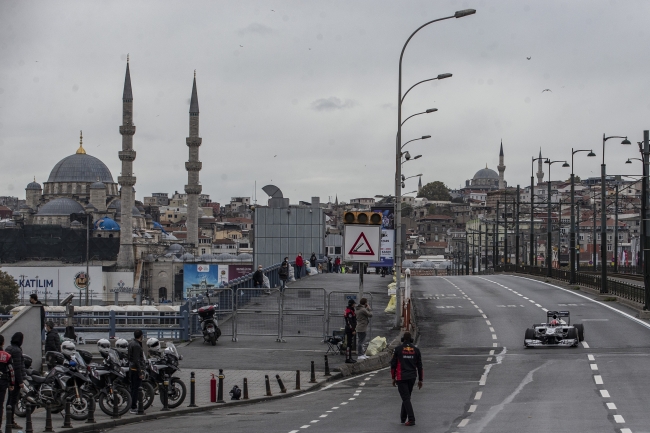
{"x":120,"y":283}
{"x":237,"y":271}
{"x":56,"y":281}
{"x":198,"y":279}
{"x":387,"y":253}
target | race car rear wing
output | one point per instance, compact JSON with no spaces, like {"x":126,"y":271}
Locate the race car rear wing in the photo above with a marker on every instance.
{"x":557,"y":313}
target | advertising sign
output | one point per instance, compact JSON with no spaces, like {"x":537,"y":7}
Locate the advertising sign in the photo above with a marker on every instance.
{"x":198,"y":279}
{"x":387,"y":253}
{"x":56,"y":281}
{"x":237,"y":271}
{"x":120,"y":283}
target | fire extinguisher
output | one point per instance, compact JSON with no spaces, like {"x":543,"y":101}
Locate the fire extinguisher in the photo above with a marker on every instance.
{"x":213,"y":389}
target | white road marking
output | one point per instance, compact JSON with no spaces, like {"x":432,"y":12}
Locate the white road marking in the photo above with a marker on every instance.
{"x":483,"y":379}
{"x":356,"y":395}
{"x":362,"y":383}
{"x":545,"y":310}
{"x":488,"y":323}
{"x":591,"y":357}
{"x":478,"y":396}
{"x":351,"y":398}
{"x":611,"y":406}
{"x":492,"y":329}
{"x":491,"y":352}
{"x":619,"y":419}
{"x":480,"y":311}
{"x":489,"y":359}
{"x":537,"y":305}
{"x":525,"y":297}
{"x":345,"y":402}
{"x":626,"y":430}
{"x":472,"y":408}
{"x":598,"y":379}
{"x":472,"y":302}
{"x":314,"y":421}
{"x":294,"y":431}
{"x":494,"y":336}
{"x":604,"y":393}
{"x":530,"y":300}
{"x":305,"y":426}
{"x":594,"y":366}
{"x":585,"y":345}
{"x":475,"y":306}
{"x":367,"y":378}
{"x":484,"y":316}
{"x":463,"y":423}
{"x":495,"y":344}
{"x":328,"y":411}
{"x":322,"y":416}
{"x":335,"y":407}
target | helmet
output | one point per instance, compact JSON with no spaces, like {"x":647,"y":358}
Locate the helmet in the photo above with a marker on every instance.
{"x":68,"y":348}
{"x":154,"y":345}
{"x":554,"y":322}
{"x":122,"y":345}
{"x":103,"y":346}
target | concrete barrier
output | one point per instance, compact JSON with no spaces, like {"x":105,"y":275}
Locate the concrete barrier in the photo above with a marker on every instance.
{"x":27,"y":321}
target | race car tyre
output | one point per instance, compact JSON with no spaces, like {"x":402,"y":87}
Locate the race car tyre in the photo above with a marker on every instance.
{"x":530,"y":335}
{"x":581,"y":331}
{"x":572,"y":334}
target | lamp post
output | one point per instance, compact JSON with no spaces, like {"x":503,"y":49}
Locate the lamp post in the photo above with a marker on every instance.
{"x":532,"y":211}
{"x":517,"y":232}
{"x":641,"y":257}
{"x":398,"y":165}
{"x":549,"y":233}
{"x":572,"y":230}
{"x":603,"y":216}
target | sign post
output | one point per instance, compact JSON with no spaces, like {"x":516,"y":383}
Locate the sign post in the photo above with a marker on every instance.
{"x":362,"y":244}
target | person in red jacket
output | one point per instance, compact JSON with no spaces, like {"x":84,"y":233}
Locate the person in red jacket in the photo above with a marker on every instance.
{"x":7,"y":378}
{"x":299,"y":265}
{"x":405,"y":367}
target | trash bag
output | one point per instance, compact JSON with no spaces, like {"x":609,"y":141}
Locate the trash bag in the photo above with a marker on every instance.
{"x":292,"y":274}
{"x":235,"y":393}
{"x":375,"y":346}
{"x":266,"y":283}
{"x":391,"y":288}
{"x":390,"y":308}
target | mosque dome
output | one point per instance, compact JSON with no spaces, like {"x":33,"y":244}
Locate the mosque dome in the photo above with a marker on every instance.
{"x":34,"y":186}
{"x":486,"y":173}
{"x":80,"y":167}
{"x":60,"y":206}
{"x":98,"y":185}
{"x":117,"y":205}
{"x":107,"y":224}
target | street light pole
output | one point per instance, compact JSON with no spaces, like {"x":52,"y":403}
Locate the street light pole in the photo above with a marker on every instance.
{"x":549,"y":233}
{"x":398,"y":169}
{"x":517,"y":232}
{"x":572,"y":232}
{"x":644,"y":219}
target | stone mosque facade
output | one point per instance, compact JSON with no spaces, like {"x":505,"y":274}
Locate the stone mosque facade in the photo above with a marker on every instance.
{"x":487,"y":179}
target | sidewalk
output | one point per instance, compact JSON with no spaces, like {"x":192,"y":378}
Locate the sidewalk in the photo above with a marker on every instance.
{"x":253,"y":357}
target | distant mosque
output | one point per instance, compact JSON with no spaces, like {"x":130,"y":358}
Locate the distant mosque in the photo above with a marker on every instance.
{"x":487,"y":179}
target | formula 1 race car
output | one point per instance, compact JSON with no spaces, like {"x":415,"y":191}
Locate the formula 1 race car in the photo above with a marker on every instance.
{"x":557,"y":331}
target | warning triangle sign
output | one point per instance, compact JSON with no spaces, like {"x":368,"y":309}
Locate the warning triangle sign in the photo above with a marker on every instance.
{"x":361,"y":247}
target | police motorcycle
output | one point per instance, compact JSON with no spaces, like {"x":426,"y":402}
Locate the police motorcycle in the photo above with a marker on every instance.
{"x":21,"y":406}
{"x":208,"y":322}
{"x":122,"y":349}
{"x":108,"y":381}
{"x":66,"y":379}
{"x":161,"y":366}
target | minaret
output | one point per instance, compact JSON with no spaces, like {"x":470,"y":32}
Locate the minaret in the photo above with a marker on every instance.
{"x":502,"y":168}
{"x":540,"y":168}
{"x":193,"y":166}
{"x":419,"y":184}
{"x":125,"y":258}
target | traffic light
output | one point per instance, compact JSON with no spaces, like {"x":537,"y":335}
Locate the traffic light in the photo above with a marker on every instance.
{"x":371,"y":218}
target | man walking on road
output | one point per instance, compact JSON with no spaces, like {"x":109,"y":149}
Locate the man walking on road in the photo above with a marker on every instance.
{"x":136,"y":368}
{"x":405,"y":367}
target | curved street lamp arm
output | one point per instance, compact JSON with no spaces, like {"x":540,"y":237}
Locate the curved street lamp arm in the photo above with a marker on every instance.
{"x":415,"y":139}
{"x":423,"y":81}
{"x":412,"y":115}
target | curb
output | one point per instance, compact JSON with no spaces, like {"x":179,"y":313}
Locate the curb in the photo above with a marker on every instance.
{"x":102,"y":426}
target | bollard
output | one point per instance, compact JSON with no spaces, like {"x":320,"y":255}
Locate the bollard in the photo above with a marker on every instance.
{"x":313,"y":373}
{"x":297,"y":379}
{"x":283,"y":390}
{"x":67,"y":422}
{"x":245,"y":389}
{"x":220,"y":389}
{"x":213,"y":389}
{"x":327,"y":367}
{"x":140,"y":400}
{"x":116,"y":412}
{"x":165,"y":392}
{"x":91,"y":412}
{"x":192,"y":390}
{"x":10,"y":417}
{"x":48,"y":419}
{"x":29,"y":428}
{"x":268,"y":386}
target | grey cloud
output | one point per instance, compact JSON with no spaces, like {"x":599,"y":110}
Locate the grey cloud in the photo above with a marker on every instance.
{"x":332,"y":103}
{"x":256,"y":29}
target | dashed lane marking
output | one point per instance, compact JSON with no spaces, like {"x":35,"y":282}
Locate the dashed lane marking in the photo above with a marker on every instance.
{"x":463,"y":423}
{"x":495,"y":344}
{"x":494,"y":336}
{"x":491,"y":352}
{"x":594,"y":366}
{"x":483,"y":379}
{"x":598,"y":379}
{"x":492,"y":329}
{"x":472,"y":408}
{"x":611,"y":406}
{"x":489,"y":359}
{"x":488,"y":323}
{"x":604,"y":393}
{"x":478,"y":395}
{"x":619,"y":419}
{"x":585,"y":345}
{"x":626,"y":430}
{"x":591,"y":357}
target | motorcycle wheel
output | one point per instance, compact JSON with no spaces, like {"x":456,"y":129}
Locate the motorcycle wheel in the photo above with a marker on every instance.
{"x":149,"y":395}
{"x":176,"y":393}
{"x":79,"y":407}
{"x":123,"y":401}
{"x":213,"y":340}
{"x":21,"y":408}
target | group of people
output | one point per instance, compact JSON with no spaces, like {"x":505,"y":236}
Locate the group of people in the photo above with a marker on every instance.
{"x":334,"y":266}
{"x":356,"y":325}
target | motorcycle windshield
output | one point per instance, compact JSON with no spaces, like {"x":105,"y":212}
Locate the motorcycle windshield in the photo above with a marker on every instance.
{"x":171,"y":349}
{"x":80,"y":361}
{"x":113,"y":357}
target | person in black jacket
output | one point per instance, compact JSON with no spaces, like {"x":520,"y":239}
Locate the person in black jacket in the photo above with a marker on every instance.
{"x":7,"y":378}
{"x":258,"y":277}
{"x":136,"y":367}
{"x":16,"y":352}
{"x":283,"y":273}
{"x":350,"y":330}
{"x":52,"y":338}
{"x":405,"y":367}
{"x":33,"y":299}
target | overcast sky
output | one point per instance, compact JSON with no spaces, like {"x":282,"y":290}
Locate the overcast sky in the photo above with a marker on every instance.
{"x":302,"y":94}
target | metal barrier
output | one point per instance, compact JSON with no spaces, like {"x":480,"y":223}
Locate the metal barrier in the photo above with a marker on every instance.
{"x":337,"y":302}
{"x":302,"y":313}
{"x":257,"y":312}
{"x":224,"y":312}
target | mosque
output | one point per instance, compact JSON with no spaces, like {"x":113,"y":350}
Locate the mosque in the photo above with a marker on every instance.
{"x":487,"y":179}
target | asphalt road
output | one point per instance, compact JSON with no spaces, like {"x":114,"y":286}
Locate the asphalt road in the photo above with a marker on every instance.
{"x":478,"y":375}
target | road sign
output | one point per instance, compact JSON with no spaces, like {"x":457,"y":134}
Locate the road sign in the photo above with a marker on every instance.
{"x":362,"y":243}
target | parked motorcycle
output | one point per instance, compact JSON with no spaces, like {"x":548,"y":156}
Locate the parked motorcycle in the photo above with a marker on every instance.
{"x":122,"y":348}
{"x":161,"y":366}
{"x":107,"y":381}
{"x":208,"y":322}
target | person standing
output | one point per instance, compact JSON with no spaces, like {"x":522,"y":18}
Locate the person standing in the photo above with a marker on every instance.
{"x":329,"y":265}
{"x":363,"y":319}
{"x":337,"y":265}
{"x":136,"y":368}
{"x":52,"y":339}
{"x":7,"y":378}
{"x":258,"y":278}
{"x":299,"y":265}
{"x":283,"y":273}
{"x":16,"y":352}
{"x":405,"y":367}
{"x":33,"y":299}
{"x":312,"y":260}
{"x":350,"y":329}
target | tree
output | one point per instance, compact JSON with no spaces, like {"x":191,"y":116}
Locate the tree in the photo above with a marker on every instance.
{"x":407,"y":209}
{"x":8,"y":289}
{"x":576,"y":177}
{"x":435,"y":191}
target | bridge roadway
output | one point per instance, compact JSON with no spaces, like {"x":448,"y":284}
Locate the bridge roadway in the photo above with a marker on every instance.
{"x":478,"y":375}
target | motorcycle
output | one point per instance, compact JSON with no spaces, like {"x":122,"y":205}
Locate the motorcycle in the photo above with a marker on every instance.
{"x":149,"y":391}
{"x":162,"y":368}
{"x":208,"y":322}
{"x":65,"y":380}
{"x":107,"y":383}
